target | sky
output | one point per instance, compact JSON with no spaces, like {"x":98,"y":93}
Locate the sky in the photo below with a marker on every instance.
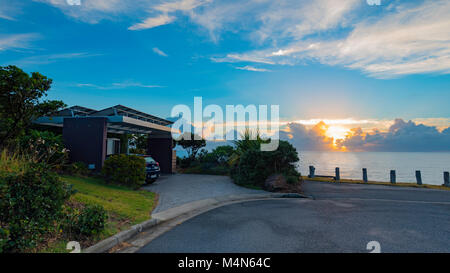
{"x":365,"y":70}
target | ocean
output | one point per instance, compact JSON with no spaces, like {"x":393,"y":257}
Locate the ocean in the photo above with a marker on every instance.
{"x":378,"y":164}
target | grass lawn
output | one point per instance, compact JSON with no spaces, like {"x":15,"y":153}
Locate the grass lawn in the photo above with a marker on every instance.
{"x":125,"y":207}
{"x":398,"y":184}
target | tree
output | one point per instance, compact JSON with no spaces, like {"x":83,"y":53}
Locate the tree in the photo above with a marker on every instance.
{"x":223,"y":153}
{"x":139,"y":142}
{"x":191,"y":144}
{"x":21,"y":101}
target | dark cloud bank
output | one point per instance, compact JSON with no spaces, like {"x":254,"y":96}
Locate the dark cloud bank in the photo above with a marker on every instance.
{"x":402,"y":137}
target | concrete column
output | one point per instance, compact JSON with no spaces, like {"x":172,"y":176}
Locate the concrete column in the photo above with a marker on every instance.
{"x":393,"y":177}
{"x":418,"y":178}
{"x":160,"y":147}
{"x":86,"y":140}
{"x":364,"y":171}
{"x":338,"y":175}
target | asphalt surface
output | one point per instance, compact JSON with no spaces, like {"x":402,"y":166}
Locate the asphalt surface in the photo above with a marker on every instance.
{"x":176,"y":190}
{"x":342,"y":218}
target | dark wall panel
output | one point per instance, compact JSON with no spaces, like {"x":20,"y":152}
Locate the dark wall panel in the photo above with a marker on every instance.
{"x":86,"y":140}
{"x":161,"y":150}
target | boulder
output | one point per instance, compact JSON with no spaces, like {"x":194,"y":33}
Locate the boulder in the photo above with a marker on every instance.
{"x":278,"y":183}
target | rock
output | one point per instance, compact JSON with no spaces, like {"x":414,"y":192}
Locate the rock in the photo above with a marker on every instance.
{"x":278,"y":183}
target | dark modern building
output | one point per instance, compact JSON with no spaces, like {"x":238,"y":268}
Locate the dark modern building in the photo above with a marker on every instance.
{"x":87,"y":133}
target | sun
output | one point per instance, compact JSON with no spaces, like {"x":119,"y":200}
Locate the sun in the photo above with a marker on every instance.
{"x":336,"y":132}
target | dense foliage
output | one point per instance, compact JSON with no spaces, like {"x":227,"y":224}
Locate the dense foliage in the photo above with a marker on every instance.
{"x":44,"y":147}
{"x":30,"y":203}
{"x":127,"y":170}
{"x":85,"y":222}
{"x":255,"y":166}
{"x":214,"y":162}
{"x":21,"y":102}
{"x":77,"y":169}
{"x":245,"y":162}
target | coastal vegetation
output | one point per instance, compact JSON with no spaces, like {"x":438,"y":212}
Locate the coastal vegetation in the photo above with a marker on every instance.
{"x":244,"y":161}
{"x":45,"y":201}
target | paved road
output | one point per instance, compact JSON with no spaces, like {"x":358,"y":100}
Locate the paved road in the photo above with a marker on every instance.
{"x":343,"y":218}
{"x":179,"y":189}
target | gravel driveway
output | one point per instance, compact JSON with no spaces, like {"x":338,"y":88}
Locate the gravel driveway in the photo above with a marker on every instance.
{"x":178,"y":189}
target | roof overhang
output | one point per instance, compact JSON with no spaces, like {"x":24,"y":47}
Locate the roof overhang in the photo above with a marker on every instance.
{"x":115,"y":124}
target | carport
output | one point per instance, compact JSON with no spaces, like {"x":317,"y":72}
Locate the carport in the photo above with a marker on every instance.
{"x":85,"y":133}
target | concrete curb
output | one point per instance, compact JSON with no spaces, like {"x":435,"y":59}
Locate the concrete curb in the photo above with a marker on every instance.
{"x":170,"y":214}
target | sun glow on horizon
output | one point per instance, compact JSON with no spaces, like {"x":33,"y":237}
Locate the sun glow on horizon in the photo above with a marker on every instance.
{"x":336,"y":132}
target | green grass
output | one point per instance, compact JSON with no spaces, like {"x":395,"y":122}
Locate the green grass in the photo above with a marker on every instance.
{"x":125,"y":207}
{"x":398,"y":184}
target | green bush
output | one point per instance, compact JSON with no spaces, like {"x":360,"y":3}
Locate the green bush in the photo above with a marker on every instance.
{"x":127,"y":170}
{"x":30,"y":203}
{"x":4,"y":239}
{"x":86,"y":222}
{"x":77,"y":168}
{"x":44,"y":147}
{"x":92,"y":220}
{"x":255,"y":166}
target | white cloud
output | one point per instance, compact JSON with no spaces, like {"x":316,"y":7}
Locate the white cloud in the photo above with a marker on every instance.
{"x":121,"y":85}
{"x":52,"y":58}
{"x":159,"y":52}
{"x":93,"y":11}
{"x":254,"y":69}
{"x":152,"y":22}
{"x":15,"y":41}
{"x":406,"y":40}
{"x":384,"y":41}
{"x":9,"y":9}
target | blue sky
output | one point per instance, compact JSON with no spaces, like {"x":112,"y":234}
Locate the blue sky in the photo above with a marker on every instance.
{"x":320,"y":59}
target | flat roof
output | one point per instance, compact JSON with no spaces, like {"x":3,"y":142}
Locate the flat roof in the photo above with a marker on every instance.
{"x":120,"y":119}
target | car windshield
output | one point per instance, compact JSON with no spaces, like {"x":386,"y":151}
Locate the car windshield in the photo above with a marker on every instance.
{"x":149,"y":160}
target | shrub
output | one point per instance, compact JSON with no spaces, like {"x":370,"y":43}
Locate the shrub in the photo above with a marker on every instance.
{"x":84,"y":222}
{"x":77,"y":168}
{"x":4,"y":239}
{"x":44,"y":147}
{"x":255,"y":166}
{"x":13,"y":163}
{"x":30,"y":203}
{"x":127,"y":170}
{"x":92,"y":220}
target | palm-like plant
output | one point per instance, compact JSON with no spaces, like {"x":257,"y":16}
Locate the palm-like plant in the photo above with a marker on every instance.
{"x":249,"y":141}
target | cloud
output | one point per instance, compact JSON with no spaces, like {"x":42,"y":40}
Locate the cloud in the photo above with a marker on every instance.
{"x":152,"y":22}
{"x":402,"y":137}
{"x":159,"y":52}
{"x":254,"y":69}
{"x":304,"y":139}
{"x":15,"y":41}
{"x":9,"y":9}
{"x":164,"y":11}
{"x":404,"y":39}
{"x":386,"y":41}
{"x":93,"y":11}
{"x":122,"y":85}
{"x":52,"y":58}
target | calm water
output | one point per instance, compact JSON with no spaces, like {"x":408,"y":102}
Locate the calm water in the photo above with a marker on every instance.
{"x":379,"y":164}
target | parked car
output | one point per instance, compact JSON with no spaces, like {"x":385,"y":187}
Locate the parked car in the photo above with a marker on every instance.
{"x":152,"y":169}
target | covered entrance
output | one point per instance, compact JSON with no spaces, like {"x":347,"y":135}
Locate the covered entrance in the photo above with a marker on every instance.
{"x":85,"y":133}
